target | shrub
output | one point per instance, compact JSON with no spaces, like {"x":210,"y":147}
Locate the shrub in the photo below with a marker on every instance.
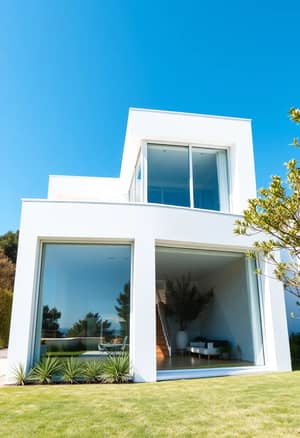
{"x":72,"y":370}
{"x":116,"y":369}
{"x":20,"y":374}
{"x":93,"y":370}
{"x":295,"y":347}
{"x":52,"y":348}
{"x":44,"y":371}
{"x":6,"y":297}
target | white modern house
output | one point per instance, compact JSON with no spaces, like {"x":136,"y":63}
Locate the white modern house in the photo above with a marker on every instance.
{"x":148,"y":262}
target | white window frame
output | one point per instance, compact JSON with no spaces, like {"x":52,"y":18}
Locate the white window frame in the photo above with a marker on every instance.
{"x":222,"y":171}
{"x":132,"y":187}
{"x":36,"y":304}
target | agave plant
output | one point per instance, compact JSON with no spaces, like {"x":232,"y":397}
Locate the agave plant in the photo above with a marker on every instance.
{"x":44,"y":371}
{"x":93,"y":370}
{"x":116,"y":369}
{"x":20,"y":374}
{"x":72,"y":370}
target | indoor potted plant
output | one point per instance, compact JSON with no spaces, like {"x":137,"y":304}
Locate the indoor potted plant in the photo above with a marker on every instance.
{"x":184,"y":301}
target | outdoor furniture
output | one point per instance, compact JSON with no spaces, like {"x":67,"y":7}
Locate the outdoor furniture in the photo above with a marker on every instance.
{"x":113,"y":349}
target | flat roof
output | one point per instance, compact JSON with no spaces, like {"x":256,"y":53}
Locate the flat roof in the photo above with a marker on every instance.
{"x":182,"y":113}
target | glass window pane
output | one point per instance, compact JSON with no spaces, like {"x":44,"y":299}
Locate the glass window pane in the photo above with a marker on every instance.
{"x":205,"y":179}
{"x":168,"y":175}
{"x":84,"y":300}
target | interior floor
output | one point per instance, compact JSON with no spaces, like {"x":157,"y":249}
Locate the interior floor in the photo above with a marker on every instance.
{"x":178,"y":361}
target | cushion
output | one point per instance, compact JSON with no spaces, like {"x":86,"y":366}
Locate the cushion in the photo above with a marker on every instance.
{"x":197,"y":344}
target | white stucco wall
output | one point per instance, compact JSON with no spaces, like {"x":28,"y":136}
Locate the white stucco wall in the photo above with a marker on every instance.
{"x":229,"y":315}
{"x":234,"y":134}
{"x":144,"y":226}
{"x":84,"y":188}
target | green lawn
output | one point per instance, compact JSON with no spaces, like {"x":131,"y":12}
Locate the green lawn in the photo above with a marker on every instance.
{"x":247,"y":406}
{"x":64,"y":353}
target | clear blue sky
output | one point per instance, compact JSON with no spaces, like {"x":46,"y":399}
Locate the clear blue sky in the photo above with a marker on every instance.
{"x":70,"y":70}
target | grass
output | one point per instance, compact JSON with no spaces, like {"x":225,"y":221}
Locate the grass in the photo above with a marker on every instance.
{"x":64,"y":353}
{"x":247,"y":406}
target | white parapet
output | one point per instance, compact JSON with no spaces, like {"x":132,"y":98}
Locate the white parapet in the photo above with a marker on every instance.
{"x":82,"y":188}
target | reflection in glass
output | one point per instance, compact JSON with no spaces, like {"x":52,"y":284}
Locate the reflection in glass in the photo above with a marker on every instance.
{"x":168,"y":175}
{"x":84,"y":300}
{"x":209,"y":179}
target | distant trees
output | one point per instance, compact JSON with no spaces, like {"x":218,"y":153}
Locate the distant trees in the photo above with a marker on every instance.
{"x":9,"y":245}
{"x":91,"y":325}
{"x":6,"y":296}
{"x":7,"y":272}
{"x":8,"y":255}
{"x":7,"y":276}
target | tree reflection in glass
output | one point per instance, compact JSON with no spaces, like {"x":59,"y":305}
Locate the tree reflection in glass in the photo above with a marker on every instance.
{"x":81,"y":309}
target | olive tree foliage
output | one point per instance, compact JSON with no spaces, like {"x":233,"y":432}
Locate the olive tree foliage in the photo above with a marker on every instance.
{"x":276,"y":214}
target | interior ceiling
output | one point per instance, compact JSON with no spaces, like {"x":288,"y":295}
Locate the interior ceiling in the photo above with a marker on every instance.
{"x":175,"y":262}
{"x":165,"y":161}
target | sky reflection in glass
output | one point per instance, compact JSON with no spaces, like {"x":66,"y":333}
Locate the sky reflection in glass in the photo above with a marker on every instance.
{"x":82,"y":279}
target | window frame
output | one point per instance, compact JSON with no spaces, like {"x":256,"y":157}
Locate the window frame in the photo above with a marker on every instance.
{"x":207,"y":148}
{"x":41,"y":243}
{"x":133,"y":186}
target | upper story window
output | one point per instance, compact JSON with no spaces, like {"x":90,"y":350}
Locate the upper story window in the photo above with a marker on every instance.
{"x":187,"y":176}
{"x":168,"y":175}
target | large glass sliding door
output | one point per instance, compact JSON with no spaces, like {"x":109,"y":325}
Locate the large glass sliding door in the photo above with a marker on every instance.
{"x":84,"y":300}
{"x":207,"y":310}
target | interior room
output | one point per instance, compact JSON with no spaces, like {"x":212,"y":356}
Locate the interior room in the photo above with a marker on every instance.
{"x":207,"y":310}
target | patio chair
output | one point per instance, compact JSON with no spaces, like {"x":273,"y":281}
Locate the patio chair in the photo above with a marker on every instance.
{"x":113,"y":349}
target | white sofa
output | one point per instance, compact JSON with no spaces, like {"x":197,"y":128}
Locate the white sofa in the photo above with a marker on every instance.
{"x":202,"y":348}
